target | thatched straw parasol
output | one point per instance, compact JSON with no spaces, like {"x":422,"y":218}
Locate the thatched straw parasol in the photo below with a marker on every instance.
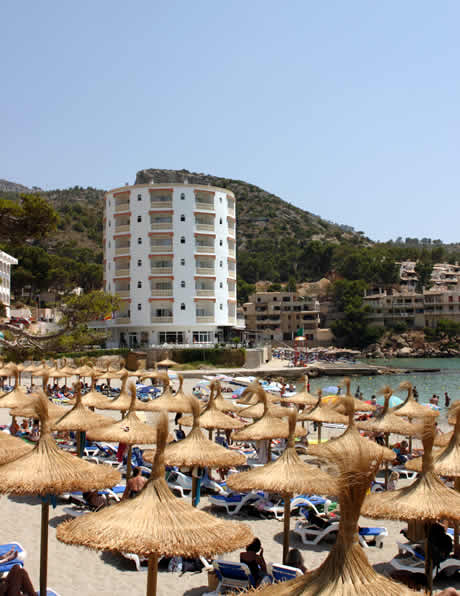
{"x":257,"y":410}
{"x":266,"y":428}
{"x":12,"y":448}
{"x":84,"y":371}
{"x":130,"y":430}
{"x":69,"y":371}
{"x":55,"y":372}
{"x":322,"y":413}
{"x":167,"y":363}
{"x":123,"y":401}
{"x":167,"y":400}
{"x":349,"y":439}
{"x":249,"y":395}
{"x":413,"y":409}
{"x":155,"y":523}
{"x":94,"y":398}
{"x":442,"y":439}
{"x":46,"y":470}
{"x":196,"y":450}
{"x":387,"y":423}
{"x":287,"y":475}
{"x":80,"y":419}
{"x":17,"y":397}
{"x":426,"y":499}
{"x":303,"y":398}
{"x":360,"y":405}
{"x":346,"y":571}
{"x":31,"y":407}
{"x":40,"y":370}
{"x":222,"y":404}
{"x":212,"y":418}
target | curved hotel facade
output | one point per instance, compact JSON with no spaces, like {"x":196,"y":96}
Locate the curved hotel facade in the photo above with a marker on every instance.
{"x":170,"y":255}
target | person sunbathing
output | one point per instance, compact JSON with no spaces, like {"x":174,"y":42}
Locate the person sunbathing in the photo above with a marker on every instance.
{"x":253,"y":556}
{"x":295,"y":559}
{"x":135,"y":484}
{"x":17,"y":582}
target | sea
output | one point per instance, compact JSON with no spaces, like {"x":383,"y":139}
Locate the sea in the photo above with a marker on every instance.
{"x":446,"y":380}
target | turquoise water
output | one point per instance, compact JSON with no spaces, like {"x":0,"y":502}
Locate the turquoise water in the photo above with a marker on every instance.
{"x":448,"y":379}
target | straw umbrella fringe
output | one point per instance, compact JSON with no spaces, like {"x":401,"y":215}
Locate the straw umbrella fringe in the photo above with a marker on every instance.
{"x":303,"y":398}
{"x":46,"y":470}
{"x":17,"y":397}
{"x":287,"y":475}
{"x":346,"y":571}
{"x":168,"y":401}
{"x":322,"y":413}
{"x":12,"y":448}
{"x":155,"y":523}
{"x":225,"y":405}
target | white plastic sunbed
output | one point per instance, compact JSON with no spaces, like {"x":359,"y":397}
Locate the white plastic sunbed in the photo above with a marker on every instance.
{"x":235,"y":501}
{"x":408,"y":559}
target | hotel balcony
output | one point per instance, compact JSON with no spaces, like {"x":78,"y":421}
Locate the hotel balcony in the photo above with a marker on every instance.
{"x":123,"y":250}
{"x":161,"y":248}
{"x":121,"y":273}
{"x":204,"y":205}
{"x":162,"y":319}
{"x":121,"y":228}
{"x":165,"y":224}
{"x":205,"y":318}
{"x":161,"y":270}
{"x":205,"y":270}
{"x":123,"y":293}
{"x":121,"y":206}
{"x":231,"y":252}
{"x":205,"y":291}
{"x":205,"y":248}
{"x":122,"y":320}
{"x":204,"y":227}
{"x":161,"y":199}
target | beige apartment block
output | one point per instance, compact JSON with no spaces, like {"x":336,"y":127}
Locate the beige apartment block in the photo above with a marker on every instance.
{"x":281,"y":316}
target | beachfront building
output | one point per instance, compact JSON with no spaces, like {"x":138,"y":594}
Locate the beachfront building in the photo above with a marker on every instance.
{"x":444,"y":275}
{"x":387,"y":308}
{"x":441,"y":304}
{"x":281,"y":316}
{"x":170,"y":255}
{"x":6,"y":261}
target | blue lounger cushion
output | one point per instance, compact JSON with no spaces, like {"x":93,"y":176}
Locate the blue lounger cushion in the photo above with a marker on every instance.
{"x":370,"y":531}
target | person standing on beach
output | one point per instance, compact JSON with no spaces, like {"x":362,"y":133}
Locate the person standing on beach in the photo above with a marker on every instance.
{"x":446,"y":399}
{"x":415,"y":393}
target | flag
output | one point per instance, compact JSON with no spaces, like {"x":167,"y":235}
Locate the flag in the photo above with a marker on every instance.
{"x":108,"y":317}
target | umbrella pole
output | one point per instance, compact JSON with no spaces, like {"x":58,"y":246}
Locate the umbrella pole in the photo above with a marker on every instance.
{"x":319,"y":433}
{"x":269,"y":451}
{"x":428,"y":560}
{"x":287,"y":520}
{"x":387,"y":437}
{"x":44,"y":547}
{"x":129,"y":463}
{"x":152,"y":575}
{"x":410,"y":438}
{"x":456,"y":524}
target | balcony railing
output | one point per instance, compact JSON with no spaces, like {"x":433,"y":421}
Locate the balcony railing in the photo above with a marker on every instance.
{"x":204,"y":227}
{"x":204,"y":205}
{"x":156,"y":319}
{"x":205,"y":270}
{"x":123,"y":293}
{"x":122,"y":320}
{"x":160,"y":204}
{"x":207,"y":248}
{"x":119,"y":207}
{"x":163,"y":225}
{"x":231,"y":231}
{"x":209,"y":292}
{"x":122,"y":250}
{"x":232,"y":274}
{"x":231,"y":211}
{"x":231,"y":252}
{"x":161,"y":270}
{"x":121,"y":228}
{"x":162,"y":292}
{"x":205,"y":319}
{"x":159,"y":248}
{"x":232,"y":294}
{"x":121,"y":272}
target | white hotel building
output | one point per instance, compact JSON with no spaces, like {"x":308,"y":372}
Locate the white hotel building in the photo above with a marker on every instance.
{"x":6,"y":261}
{"x":169,"y":254}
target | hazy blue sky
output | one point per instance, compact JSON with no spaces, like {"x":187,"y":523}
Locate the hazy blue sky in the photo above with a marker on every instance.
{"x":350,"y":110}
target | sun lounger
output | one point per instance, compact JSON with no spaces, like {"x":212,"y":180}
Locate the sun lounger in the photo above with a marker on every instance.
{"x":404,"y":474}
{"x":376,"y":535}
{"x":234,"y":502}
{"x":21,"y":555}
{"x":409,"y":559}
{"x":305,"y":501}
{"x":49,"y":592}
{"x":311,"y":534}
{"x":136,"y":559}
{"x":179,"y":482}
{"x":282,"y":573}
{"x":233,"y":575}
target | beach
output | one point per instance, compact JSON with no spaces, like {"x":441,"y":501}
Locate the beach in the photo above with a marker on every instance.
{"x":74,"y":571}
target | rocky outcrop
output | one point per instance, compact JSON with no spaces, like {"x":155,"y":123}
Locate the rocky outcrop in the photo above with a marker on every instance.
{"x":412,"y":344}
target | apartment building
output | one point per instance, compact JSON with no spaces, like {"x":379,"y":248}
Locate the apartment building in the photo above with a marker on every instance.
{"x":388,"y":307}
{"x":280,"y":316}
{"x":170,"y":255}
{"x":6,"y":261}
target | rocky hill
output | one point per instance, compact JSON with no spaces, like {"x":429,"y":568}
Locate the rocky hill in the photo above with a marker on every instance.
{"x":7,"y":186}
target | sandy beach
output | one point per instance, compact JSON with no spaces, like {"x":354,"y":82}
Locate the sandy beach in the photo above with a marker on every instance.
{"x":75,"y":571}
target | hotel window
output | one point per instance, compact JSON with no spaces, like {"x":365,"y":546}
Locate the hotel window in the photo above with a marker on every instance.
{"x":182,"y":239}
{"x":221,"y":306}
{"x":182,"y":284}
{"x":109,"y":243}
{"x":139,"y":307}
{"x":139,"y":284}
{"x":110,"y":223}
{"x":182,"y":196}
{"x":139,"y":218}
{"x":220,"y":220}
{"x":139,"y":240}
{"x":139,"y":262}
{"x":182,"y":261}
{"x":182,"y":306}
{"x":182,"y":217}
{"x":221,"y":263}
{"x":221,"y":285}
{"x":221,"y":243}
{"x":139,"y":197}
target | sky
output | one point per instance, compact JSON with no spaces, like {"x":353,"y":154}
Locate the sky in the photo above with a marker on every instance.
{"x":349,"y":110}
